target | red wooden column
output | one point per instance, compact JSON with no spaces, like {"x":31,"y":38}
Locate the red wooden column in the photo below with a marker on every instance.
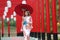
{"x":42,"y":15}
{"x":48,"y":20}
{"x":54,"y":21}
{"x":38,"y":19}
{"x":8,"y":20}
{"x":2,"y":27}
{"x":38,"y":6}
{"x":8,"y":28}
{"x":38,"y":15}
{"x":42,"y":19}
{"x":47,"y":17}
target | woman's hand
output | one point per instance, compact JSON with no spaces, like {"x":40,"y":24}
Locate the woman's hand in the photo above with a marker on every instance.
{"x":28,"y":26}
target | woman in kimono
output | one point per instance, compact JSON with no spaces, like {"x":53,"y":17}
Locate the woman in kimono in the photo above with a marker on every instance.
{"x":26,"y":25}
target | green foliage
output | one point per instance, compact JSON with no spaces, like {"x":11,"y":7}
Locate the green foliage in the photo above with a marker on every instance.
{"x":5,"y":23}
{"x":12,"y":23}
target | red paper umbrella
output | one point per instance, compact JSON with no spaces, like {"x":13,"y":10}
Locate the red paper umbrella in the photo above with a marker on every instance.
{"x":23,"y":7}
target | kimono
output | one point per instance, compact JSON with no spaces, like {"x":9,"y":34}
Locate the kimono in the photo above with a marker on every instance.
{"x":26,"y":21}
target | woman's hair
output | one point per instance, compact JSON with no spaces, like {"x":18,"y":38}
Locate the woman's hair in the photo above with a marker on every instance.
{"x":28,"y":12}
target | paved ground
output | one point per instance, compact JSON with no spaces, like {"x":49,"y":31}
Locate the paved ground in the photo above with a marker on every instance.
{"x":21,"y":38}
{"x":17,"y":38}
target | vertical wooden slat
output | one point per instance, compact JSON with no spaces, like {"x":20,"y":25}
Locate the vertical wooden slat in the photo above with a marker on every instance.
{"x":39,"y":20}
{"x":8,"y":28}
{"x":47,"y":17}
{"x":48,"y":20}
{"x":42,"y":20}
{"x":36,"y":33}
{"x":42,"y":15}
{"x":54,"y":21}
{"x":2,"y":27}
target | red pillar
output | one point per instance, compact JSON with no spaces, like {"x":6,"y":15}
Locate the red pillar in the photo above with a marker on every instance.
{"x":38,"y":15}
{"x":9,"y":28}
{"x":47,"y":17}
{"x":48,"y":20}
{"x":54,"y":21}
{"x":42,"y":20}
{"x":18,"y":24}
{"x":42,"y":15}
{"x":2,"y":27}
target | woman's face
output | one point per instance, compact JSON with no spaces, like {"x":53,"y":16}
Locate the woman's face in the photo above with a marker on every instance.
{"x":26,"y":13}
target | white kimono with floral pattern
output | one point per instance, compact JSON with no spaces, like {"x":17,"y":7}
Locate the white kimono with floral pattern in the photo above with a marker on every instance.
{"x":28,"y":20}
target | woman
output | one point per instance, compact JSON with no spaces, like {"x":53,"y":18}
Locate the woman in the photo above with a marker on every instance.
{"x":26,"y":25}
